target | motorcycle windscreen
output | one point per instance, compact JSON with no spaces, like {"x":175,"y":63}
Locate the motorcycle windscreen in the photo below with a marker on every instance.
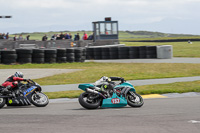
{"x":114,"y":102}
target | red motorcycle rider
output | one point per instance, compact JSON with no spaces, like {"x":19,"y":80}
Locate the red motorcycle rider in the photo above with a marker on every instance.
{"x":12,"y":82}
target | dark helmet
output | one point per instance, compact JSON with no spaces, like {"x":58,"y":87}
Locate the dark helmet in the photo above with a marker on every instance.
{"x":19,"y":74}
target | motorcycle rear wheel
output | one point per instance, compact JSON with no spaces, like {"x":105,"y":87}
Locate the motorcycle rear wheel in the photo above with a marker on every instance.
{"x":134,"y":99}
{"x":39,"y":99}
{"x":2,"y":102}
{"x":87,"y":103}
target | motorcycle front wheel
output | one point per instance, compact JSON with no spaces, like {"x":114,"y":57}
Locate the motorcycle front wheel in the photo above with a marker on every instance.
{"x":39,"y":99}
{"x":89,"y":100}
{"x":134,"y":99}
{"x":2,"y":102}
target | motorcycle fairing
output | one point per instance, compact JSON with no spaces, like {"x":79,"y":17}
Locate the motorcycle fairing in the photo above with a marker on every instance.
{"x":126,"y":84}
{"x":114,"y":101}
{"x":84,"y":86}
{"x":29,"y":90}
{"x":19,"y":101}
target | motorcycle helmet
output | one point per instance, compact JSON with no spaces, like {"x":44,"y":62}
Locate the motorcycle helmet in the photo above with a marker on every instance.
{"x":19,"y":74}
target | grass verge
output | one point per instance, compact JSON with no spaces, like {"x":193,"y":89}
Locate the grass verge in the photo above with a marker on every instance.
{"x":93,"y":71}
{"x":178,"y":87}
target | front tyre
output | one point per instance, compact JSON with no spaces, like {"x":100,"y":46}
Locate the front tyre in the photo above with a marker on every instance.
{"x":134,"y":99}
{"x":39,"y":99}
{"x":2,"y":102}
{"x":89,"y":100}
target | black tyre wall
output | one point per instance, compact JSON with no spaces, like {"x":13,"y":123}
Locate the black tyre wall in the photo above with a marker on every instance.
{"x":61,"y":56}
{"x":134,"y":52}
{"x":90,"y":53}
{"x":8,"y":56}
{"x":50,"y":55}
{"x":24,"y":56}
{"x":143,"y":52}
{"x":123,"y":52}
{"x":70,"y":55}
{"x":97,"y":53}
{"x":38,"y":56}
{"x":80,"y":54}
{"x":113,"y":51}
{"x":151,"y":52}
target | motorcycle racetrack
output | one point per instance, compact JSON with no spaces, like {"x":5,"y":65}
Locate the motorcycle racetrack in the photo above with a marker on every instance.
{"x":168,"y":113}
{"x":157,"y":115}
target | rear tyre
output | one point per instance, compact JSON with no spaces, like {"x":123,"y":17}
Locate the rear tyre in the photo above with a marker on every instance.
{"x":2,"y":102}
{"x":88,"y":100}
{"x":134,"y":99}
{"x":39,"y":99}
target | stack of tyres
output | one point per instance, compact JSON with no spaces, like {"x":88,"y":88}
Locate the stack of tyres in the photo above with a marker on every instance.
{"x":79,"y":55}
{"x":151,"y":52}
{"x":84,"y":55}
{"x":38,"y":56}
{"x":134,"y":52}
{"x":143,"y":52}
{"x":90,"y":53}
{"x":50,"y":55}
{"x":97,"y":53}
{"x":113,"y":52}
{"x":123,"y":52}
{"x":105,"y":53}
{"x":8,"y":56}
{"x":24,"y":56}
{"x":70,"y":55}
{"x":61,"y":56}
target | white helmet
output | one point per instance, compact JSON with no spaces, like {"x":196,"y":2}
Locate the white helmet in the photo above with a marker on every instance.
{"x":19,"y":74}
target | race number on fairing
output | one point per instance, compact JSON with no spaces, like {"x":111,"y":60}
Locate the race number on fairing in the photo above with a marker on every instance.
{"x":115,"y":100}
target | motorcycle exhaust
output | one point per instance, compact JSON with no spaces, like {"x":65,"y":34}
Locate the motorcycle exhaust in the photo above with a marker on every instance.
{"x":95,"y":92}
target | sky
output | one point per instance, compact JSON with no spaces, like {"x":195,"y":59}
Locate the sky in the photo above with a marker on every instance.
{"x":168,"y":16}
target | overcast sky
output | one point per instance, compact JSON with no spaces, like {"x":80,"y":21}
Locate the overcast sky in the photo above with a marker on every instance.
{"x":169,"y":16}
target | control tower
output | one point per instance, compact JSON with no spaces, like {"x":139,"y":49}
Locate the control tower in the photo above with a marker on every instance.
{"x":107,"y":29}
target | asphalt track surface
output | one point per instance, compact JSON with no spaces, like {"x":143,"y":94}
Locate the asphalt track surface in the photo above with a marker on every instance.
{"x":161,"y":115}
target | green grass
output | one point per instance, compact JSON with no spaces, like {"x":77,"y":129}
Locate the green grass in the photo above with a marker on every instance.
{"x":93,"y":71}
{"x":180,"y":49}
{"x":178,"y":87}
{"x":64,"y":94}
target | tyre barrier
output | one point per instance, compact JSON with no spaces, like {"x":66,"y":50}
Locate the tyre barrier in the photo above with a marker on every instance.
{"x":123,"y":52}
{"x":90,"y":53}
{"x":38,"y":56}
{"x":0,"y":56}
{"x":134,"y":52}
{"x":61,"y":56}
{"x":8,"y":57}
{"x":105,"y":53}
{"x":114,"y":52}
{"x":70,"y":55}
{"x":80,"y":54}
{"x":97,"y":53}
{"x":126,"y":52}
{"x":151,"y":52}
{"x":24,"y":56}
{"x":50,"y":55}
